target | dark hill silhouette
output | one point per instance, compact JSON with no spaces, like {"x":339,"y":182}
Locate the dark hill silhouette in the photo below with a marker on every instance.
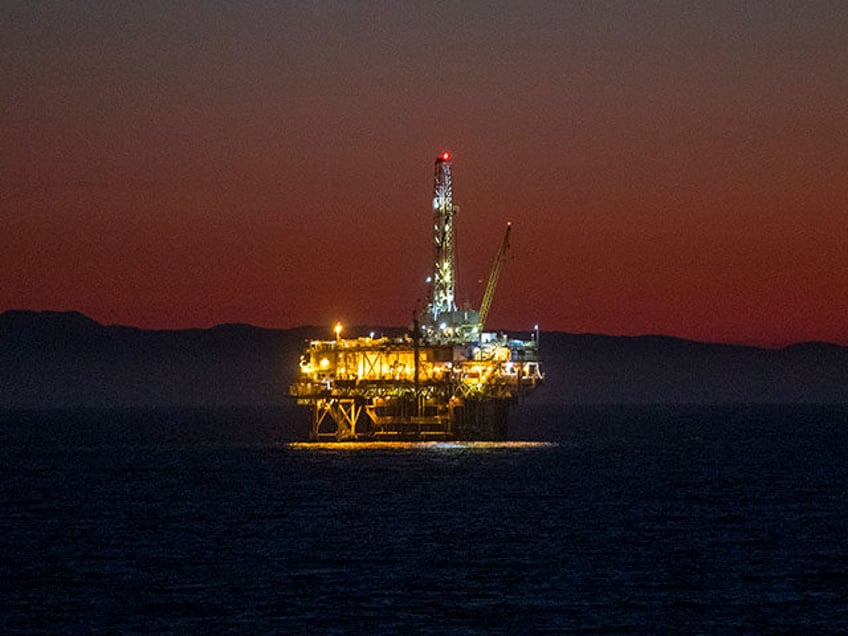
{"x":660,"y":369}
{"x":65,"y":359}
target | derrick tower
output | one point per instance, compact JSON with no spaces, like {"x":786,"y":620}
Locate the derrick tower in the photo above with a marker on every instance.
{"x":443,"y":299}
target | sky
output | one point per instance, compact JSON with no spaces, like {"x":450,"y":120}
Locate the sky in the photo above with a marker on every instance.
{"x":672,"y":168}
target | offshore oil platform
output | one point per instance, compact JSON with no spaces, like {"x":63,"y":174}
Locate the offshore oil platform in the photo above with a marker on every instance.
{"x":448,"y":379}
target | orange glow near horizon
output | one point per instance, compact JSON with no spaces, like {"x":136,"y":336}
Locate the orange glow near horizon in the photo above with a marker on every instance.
{"x":668,"y":171}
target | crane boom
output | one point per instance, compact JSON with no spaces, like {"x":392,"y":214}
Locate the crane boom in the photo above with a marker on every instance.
{"x":493,"y":277}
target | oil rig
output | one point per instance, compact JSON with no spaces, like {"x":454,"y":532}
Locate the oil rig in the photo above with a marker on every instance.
{"x":447,"y":379}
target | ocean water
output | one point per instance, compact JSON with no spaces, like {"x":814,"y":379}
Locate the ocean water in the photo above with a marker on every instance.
{"x":621,"y":520}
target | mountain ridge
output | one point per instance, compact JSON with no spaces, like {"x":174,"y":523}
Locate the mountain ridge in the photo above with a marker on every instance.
{"x":66,"y":359}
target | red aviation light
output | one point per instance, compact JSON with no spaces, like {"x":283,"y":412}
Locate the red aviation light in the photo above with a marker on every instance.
{"x":446,"y":156}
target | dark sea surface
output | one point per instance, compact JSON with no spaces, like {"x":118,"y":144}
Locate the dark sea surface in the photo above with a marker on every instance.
{"x":633,"y":520}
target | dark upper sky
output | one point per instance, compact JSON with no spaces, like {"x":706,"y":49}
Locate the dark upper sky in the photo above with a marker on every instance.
{"x":668,"y":168}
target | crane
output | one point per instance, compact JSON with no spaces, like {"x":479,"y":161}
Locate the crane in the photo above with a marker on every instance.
{"x":493,"y":277}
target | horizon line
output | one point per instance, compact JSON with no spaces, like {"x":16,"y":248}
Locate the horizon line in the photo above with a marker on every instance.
{"x":366,"y":327}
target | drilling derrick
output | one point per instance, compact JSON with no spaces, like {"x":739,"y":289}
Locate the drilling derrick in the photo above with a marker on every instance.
{"x":444,"y":265}
{"x":442,"y":321}
{"x":447,"y":379}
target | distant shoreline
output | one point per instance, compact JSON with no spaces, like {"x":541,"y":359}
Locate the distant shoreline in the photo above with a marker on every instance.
{"x":65,"y":359}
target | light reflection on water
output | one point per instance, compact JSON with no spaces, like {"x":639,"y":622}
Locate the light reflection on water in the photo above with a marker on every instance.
{"x":426,"y":446}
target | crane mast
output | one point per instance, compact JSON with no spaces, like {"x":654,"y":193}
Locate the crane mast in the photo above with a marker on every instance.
{"x":493,"y":277}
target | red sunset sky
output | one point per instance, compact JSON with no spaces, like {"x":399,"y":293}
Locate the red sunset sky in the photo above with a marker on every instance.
{"x":668,"y":168}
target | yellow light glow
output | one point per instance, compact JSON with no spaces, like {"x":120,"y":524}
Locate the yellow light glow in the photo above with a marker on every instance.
{"x":325,"y":363}
{"x":338,"y":328}
{"x":425,"y":446}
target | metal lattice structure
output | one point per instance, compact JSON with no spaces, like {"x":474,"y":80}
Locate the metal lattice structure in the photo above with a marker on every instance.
{"x":497,"y":265}
{"x":444,"y":263}
{"x":400,"y":388}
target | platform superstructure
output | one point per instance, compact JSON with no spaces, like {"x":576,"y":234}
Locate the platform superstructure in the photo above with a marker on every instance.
{"x":446,"y":379}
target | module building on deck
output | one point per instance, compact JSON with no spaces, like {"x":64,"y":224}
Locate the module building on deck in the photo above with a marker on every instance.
{"x":395,"y":388}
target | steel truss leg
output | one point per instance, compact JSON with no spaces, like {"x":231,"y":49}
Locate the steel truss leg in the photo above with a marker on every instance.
{"x":345,"y":413}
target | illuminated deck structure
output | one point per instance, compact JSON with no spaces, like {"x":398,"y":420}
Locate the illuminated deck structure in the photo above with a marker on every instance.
{"x":448,"y":379}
